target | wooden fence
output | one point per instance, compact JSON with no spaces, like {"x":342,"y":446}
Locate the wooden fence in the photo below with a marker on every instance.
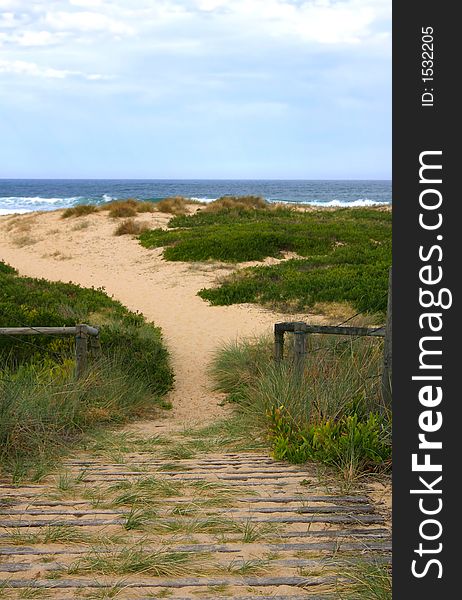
{"x":301,"y":330}
{"x":86,"y":338}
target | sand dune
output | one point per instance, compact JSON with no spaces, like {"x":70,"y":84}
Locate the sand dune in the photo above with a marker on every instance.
{"x":85,"y":251}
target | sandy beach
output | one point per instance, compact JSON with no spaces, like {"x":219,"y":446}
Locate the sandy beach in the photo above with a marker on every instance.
{"x":85,"y":251}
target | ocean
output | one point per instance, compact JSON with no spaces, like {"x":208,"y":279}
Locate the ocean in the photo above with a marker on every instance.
{"x":26,"y":195}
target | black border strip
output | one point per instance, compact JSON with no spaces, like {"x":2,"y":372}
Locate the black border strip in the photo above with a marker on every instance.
{"x":421,"y":127}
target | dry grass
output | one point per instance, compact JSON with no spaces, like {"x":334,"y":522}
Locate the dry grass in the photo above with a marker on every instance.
{"x":131,"y":227}
{"x":20,"y":241}
{"x":177,"y":205}
{"x":128,"y":208}
{"x":79,"y":211}
{"x":21,"y":224}
{"x":237,"y":203}
{"x":81,"y":225}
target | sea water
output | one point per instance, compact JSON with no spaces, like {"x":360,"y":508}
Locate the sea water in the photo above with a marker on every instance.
{"x":26,"y":195}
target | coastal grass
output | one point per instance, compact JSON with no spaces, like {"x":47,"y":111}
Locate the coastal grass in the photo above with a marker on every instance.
{"x":130,"y":227}
{"x":80,"y":210}
{"x":343,"y":256}
{"x":127,"y":208}
{"x":43,"y":408}
{"x":369,"y":581}
{"x":333,"y":413}
{"x":161,"y":562}
{"x":176,"y":205}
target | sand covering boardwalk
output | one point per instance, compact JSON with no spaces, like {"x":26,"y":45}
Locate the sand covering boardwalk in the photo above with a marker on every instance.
{"x":158,"y":510}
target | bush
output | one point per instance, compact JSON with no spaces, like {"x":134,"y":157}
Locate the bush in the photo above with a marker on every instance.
{"x":332,"y":414}
{"x":236,"y":203}
{"x":130,"y":227}
{"x":128,"y":207}
{"x":7,"y":269}
{"x":177,"y":205}
{"x":43,"y":409}
{"x":347,"y":254}
{"x":79,"y":211}
{"x":39,"y":398}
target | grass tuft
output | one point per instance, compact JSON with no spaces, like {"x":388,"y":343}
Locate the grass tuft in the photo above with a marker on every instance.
{"x":177,"y":205}
{"x":81,"y":210}
{"x":130,"y":227}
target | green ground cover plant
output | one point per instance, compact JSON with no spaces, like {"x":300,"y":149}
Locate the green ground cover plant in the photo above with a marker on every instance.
{"x":344,"y":254}
{"x":42,"y":406}
{"x":333,"y":413}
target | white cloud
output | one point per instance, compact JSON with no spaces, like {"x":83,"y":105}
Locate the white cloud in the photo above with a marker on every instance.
{"x":21,"y":67}
{"x":86,"y":21}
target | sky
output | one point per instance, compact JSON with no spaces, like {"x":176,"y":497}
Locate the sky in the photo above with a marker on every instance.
{"x":193,"y":89}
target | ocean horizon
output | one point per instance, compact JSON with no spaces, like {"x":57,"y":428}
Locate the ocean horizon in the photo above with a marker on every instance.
{"x":27,"y":195}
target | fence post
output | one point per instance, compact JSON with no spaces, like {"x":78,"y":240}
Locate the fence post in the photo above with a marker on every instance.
{"x":387,"y":350}
{"x":278,"y":344}
{"x":81,"y":349}
{"x":299,"y":347}
{"x":95,"y":346}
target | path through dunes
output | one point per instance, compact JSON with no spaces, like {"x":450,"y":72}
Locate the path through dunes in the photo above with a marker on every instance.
{"x":160,"y":509}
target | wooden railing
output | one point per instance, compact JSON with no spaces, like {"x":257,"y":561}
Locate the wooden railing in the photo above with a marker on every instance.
{"x":86,"y":338}
{"x":301,"y":331}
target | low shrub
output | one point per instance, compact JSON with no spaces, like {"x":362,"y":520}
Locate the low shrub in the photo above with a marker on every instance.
{"x":236,"y":203}
{"x":344,"y":255}
{"x":44,"y":409}
{"x":177,"y":205}
{"x":130,"y":227}
{"x":79,"y":211}
{"x":134,"y":362}
{"x":333,"y":413}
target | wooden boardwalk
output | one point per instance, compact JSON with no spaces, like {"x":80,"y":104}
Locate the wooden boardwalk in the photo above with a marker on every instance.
{"x":138,"y":524}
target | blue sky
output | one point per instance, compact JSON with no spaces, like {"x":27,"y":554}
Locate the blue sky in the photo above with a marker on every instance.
{"x":195,"y":89}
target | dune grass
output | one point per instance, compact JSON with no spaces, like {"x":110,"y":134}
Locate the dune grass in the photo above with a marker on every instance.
{"x":161,"y":562}
{"x":332,"y":414}
{"x":80,"y":210}
{"x":127,"y":208}
{"x":43,"y":408}
{"x":369,"y":581}
{"x":130,"y":227}
{"x":177,"y":205}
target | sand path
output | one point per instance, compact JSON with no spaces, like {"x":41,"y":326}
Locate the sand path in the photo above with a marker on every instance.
{"x":85,"y":251}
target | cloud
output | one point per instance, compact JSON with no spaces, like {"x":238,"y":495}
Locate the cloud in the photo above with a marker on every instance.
{"x":21,"y":67}
{"x":86,"y":21}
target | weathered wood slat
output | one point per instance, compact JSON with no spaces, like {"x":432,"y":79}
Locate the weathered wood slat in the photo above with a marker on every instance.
{"x":45,"y":330}
{"x":174,"y":583}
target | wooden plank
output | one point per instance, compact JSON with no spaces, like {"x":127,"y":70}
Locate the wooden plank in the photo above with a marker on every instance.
{"x":45,"y":330}
{"x":332,"y":330}
{"x":295,"y":581}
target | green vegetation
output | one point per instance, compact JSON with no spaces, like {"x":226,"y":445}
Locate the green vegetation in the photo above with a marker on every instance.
{"x":42,"y":406}
{"x":136,"y":559}
{"x":347,"y":253}
{"x":332,"y":414}
{"x":370,"y":581}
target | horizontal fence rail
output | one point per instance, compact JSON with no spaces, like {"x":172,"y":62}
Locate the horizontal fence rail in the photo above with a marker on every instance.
{"x":301,"y":331}
{"x":47,"y":330}
{"x":85,"y":337}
